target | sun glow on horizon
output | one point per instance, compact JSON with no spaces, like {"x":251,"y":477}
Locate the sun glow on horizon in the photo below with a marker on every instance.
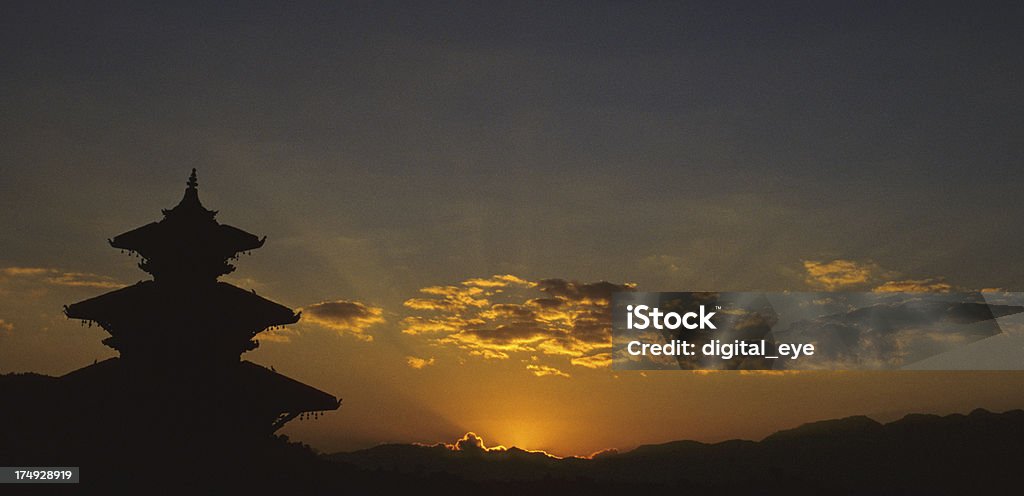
{"x":472,"y":442}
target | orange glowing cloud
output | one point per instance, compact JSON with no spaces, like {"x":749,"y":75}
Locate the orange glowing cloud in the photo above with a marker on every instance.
{"x":58,"y":277}
{"x":504,"y":315}
{"x":497,"y":281}
{"x":449,"y":298}
{"x":544,"y":370}
{"x":848,"y":274}
{"x":595,"y":361}
{"x":915,"y":286}
{"x":419,"y":363}
{"x":472,"y":442}
{"x":838,"y":274}
{"x":350,"y":318}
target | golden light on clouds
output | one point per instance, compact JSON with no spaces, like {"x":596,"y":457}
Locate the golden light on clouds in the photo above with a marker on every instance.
{"x":595,"y":361}
{"x":489,"y":354}
{"x":544,"y":370}
{"x":428,"y":325}
{"x":838,"y":274}
{"x":448,"y":298}
{"x":351,"y":318}
{"x":567,"y":322}
{"x":497,"y":281}
{"x":419,"y":363}
{"x":58,"y":277}
{"x":24,"y":271}
{"x":915,"y":286}
{"x":472,"y":442}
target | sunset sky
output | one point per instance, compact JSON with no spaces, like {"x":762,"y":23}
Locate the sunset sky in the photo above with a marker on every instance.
{"x":430,"y":179}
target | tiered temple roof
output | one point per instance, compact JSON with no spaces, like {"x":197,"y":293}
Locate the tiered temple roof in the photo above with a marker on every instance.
{"x":147,"y":315}
{"x":186,"y":321}
{"x":188,"y":242}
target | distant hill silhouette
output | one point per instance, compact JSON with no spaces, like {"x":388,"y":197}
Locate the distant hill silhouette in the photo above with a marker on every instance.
{"x":918,"y":454}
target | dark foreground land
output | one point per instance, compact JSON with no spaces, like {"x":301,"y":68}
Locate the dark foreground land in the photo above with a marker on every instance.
{"x":919,"y":454}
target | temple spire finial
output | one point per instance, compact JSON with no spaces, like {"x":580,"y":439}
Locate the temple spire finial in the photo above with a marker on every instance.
{"x":190,"y":202}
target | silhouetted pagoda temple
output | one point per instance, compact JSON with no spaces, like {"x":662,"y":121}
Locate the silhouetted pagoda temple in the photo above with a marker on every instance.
{"x":180,"y":337}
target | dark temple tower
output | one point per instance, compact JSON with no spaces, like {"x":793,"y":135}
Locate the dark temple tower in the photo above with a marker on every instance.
{"x":180,"y":337}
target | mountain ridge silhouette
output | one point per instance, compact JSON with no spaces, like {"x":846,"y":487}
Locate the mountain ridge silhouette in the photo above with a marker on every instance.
{"x":916,"y":454}
{"x":851,"y":455}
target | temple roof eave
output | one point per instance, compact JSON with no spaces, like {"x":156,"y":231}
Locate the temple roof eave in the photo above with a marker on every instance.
{"x":223,"y":239}
{"x":144,"y":301}
{"x":252,"y":385}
